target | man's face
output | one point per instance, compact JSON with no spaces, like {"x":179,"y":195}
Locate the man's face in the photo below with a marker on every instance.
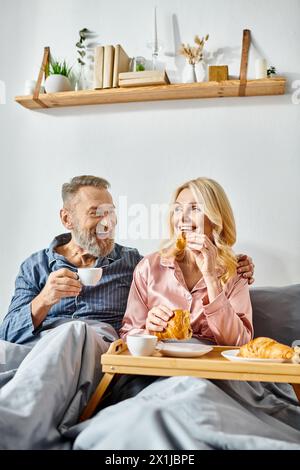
{"x":92,"y":211}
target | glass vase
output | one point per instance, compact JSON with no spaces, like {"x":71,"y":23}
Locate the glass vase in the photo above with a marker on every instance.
{"x":81,"y":81}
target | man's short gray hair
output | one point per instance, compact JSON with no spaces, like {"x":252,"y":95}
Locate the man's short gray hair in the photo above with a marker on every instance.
{"x":69,"y":190}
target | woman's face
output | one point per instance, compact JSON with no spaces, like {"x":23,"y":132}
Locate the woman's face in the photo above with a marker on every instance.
{"x":188,"y":215}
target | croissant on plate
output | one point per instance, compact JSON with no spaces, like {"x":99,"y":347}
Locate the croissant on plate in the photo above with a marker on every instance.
{"x":267,"y":348}
{"x":179,"y":327}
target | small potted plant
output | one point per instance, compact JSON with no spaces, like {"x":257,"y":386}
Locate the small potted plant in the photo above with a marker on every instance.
{"x":59,"y":77}
{"x":271,"y":71}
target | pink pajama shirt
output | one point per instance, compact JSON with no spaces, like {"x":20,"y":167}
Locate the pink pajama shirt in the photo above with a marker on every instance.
{"x":227,"y":320}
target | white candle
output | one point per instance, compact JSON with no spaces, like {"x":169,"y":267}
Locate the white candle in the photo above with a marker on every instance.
{"x":29,"y":87}
{"x":155,"y":42}
{"x":260,"y":68}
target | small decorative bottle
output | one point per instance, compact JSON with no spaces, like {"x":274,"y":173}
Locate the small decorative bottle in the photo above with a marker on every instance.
{"x":81,"y":82}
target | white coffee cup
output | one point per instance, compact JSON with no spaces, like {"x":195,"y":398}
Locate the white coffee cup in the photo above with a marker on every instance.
{"x":90,"y":276}
{"x":141,"y":345}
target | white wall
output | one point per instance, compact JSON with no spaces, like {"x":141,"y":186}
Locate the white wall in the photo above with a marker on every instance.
{"x":250,"y":145}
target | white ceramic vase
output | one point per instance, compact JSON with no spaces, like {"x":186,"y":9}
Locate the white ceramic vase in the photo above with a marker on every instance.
{"x":57,"y":83}
{"x":200,"y":72}
{"x":189,"y":74}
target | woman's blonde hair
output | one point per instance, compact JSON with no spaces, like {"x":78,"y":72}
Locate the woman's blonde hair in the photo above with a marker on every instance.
{"x":217,"y":208}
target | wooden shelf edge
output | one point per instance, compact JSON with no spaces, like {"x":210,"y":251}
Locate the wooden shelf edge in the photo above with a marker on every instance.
{"x":228,"y":88}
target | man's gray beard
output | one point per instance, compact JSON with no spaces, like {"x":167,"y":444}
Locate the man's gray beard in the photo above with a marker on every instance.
{"x":89,"y":243}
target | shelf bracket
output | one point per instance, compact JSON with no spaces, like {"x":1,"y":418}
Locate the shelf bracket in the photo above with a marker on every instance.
{"x":43,"y":70}
{"x":244,"y":61}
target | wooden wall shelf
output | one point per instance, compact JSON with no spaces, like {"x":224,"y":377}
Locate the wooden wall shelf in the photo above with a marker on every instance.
{"x":228,"y":88}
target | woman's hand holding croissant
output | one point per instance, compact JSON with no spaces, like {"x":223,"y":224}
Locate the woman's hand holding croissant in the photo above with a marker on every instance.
{"x":158,"y":318}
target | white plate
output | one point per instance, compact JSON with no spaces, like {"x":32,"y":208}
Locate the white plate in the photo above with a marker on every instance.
{"x":183,"y":350}
{"x":231,"y":354}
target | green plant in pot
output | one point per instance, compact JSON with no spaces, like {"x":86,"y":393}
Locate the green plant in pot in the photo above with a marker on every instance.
{"x":59,"y":77}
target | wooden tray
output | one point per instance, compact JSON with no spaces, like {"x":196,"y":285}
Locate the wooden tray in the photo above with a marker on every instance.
{"x":212,"y":365}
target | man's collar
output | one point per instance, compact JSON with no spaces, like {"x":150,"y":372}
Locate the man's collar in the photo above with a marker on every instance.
{"x":62,"y":239}
{"x":113,"y":255}
{"x":65,"y":238}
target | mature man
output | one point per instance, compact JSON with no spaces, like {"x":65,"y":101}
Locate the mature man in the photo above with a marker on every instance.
{"x":62,"y":327}
{"x":47,"y":287}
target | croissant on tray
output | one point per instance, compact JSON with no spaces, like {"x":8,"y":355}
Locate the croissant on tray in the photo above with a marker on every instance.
{"x":179,"y":327}
{"x":267,"y":348}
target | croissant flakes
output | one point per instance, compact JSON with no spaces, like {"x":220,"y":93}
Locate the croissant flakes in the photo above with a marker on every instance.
{"x":267,"y":348}
{"x":178,"y":327}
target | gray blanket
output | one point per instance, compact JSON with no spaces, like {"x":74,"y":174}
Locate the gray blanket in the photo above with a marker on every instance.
{"x":44,"y":388}
{"x":187,"y":413}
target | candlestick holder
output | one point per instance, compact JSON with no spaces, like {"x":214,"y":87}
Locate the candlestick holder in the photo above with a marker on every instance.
{"x":156,"y":48}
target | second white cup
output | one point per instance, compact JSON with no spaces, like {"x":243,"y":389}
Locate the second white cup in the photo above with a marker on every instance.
{"x":90,"y":276}
{"x":141,"y":345}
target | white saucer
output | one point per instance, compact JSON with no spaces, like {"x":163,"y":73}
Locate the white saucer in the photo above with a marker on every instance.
{"x":183,"y":350}
{"x":232,"y":355}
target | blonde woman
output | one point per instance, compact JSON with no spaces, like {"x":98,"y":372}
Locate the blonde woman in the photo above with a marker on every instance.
{"x":201,"y":278}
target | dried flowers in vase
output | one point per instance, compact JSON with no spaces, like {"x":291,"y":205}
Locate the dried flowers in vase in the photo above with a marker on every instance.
{"x":194,"y":55}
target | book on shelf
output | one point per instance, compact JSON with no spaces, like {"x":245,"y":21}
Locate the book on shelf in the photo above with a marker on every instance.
{"x":144,"y":78}
{"x":108,"y":66}
{"x":142,"y":74}
{"x":121,"y":64}
{"x":98,"y":67}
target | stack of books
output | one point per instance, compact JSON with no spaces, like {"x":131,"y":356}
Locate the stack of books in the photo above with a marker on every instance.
{"x":109,"y":62}
{"x":144,"y":78}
